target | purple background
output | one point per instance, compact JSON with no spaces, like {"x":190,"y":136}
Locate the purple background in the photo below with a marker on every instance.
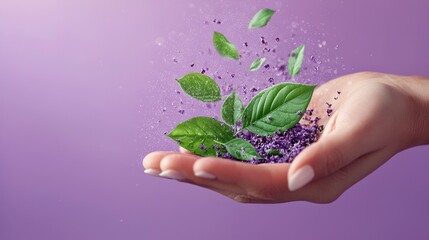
{"x":81,"y":88}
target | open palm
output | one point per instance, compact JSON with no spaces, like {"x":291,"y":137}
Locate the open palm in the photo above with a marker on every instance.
{"x":370,"y":123}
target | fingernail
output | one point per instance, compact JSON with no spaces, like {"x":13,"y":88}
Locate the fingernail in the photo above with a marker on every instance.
{"x":301,"y":177}
{"x":172,"y":174}
{"x":153,"y":172}
{"x":205,"y":175}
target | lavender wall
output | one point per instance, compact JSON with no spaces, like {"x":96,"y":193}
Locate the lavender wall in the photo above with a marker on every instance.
{"x":82,"y":84}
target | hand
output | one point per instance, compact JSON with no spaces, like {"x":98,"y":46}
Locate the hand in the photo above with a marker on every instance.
{"x":375,"y":117}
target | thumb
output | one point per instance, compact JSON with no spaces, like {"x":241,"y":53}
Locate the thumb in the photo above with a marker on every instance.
{"x":331,"y":153}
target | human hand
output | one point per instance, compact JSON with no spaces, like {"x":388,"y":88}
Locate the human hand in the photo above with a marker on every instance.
{"x":375,"y":116}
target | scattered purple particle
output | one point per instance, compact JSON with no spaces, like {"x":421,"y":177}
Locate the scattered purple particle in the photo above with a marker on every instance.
{"x":329,"y":111}
{"x":232,"y":75}
{"x":271,"y":80}
{"x":329,"y":104}
{"x":277,"y":39}
{"x":338,"y":92}
{"x":181,"y":111}
{"x":219,"y":77}
{"x":193,"y":64}
{"x":175,"y":60}
{"x":177,"y":92}
{"x":203,"y":71}
{"x":267,"y":66}
{"x":164,"y":109}
{"x":335,"y":98}
{"x":253,"y":89}
{"x":299,"y":113}
{"x":246,"y":44}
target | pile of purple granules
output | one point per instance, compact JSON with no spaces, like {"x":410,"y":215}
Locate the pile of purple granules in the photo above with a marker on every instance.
{"x":283,"y":147}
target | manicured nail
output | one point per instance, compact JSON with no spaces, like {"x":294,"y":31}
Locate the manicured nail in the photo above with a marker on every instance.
{"x":153,"y":172}
{"x":172,"y":174}
{"x":301,"y":177}
{"x":205,"y":175}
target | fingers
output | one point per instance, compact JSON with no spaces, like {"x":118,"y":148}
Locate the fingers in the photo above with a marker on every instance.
{"x":179,"y":166}
{"x":152,"y":162}
{"x":240,"y":181}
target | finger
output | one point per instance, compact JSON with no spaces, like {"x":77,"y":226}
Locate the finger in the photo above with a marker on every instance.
{"x":184,"y":150}
{"x":262,"y":183}
{"x":337,"y":147}
{"x":179,"y":166}
{"x":328,"y":189}
{"x":152,"y":161}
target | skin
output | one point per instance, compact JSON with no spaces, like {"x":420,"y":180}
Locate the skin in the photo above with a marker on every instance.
{"x":376,"y":116}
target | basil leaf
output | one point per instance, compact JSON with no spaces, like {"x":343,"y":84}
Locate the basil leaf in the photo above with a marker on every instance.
{"x":261,"y":18}
{"x":295,"y":61}
{"x":224,"y":47}
{"x":199,"y":134}
{"x":257,"y":64}
{"x":241,"y":149}
{"x":201,"y":87}
{"x":232,"y":109}
{"x":275,"y":108}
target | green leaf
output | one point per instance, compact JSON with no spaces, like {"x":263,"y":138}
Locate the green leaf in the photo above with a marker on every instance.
{"x":261,"y":18}
{"x":257,"y":64}
{"x":232,"y":109}
{"x":275,"y":108}
{"x":274,"y":152}
{"x":295,"y":61}
{"x":241,"y":149}
{"x":224,"y":47}
{"x":201,"y":87}
{"x":201,"y":131}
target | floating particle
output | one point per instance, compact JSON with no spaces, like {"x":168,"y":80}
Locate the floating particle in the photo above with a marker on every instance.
{"x":271,"y":80}
{"x":329,"y":111}
{"x":267,"y":66}
{"x":181,"y":111}
{"x":192,"y":64}
{"x":253,"y":89}
{"x":338,"y":92}
{"x":246,"y":44}
{"x":177,"y":92}
{"x":164,"y":109}
{"x":328,"y":104}
{"x":203,"y":71}
{"x":175,"y":60}
{"x":277,"y":39}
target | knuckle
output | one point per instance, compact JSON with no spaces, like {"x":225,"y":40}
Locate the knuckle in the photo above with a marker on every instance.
{"x":333,"y":162}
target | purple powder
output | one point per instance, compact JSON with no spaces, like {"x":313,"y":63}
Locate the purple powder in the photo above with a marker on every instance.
{"x":282,"y":147}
